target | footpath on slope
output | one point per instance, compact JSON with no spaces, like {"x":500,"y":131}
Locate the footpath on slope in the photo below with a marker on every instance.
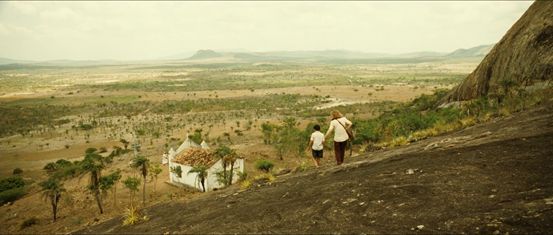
{"x":491,"y":178}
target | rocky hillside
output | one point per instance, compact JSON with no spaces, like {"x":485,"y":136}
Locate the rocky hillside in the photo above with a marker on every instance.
{"x":524,"y":56}
{"x":493,"y":178}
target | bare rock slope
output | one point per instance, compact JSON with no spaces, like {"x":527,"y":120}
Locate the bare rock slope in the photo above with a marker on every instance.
{"x":524,"y":55}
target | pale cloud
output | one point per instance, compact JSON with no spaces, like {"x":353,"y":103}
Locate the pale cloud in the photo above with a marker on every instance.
{"x":25,"y":8}
{"x":142,"y":30}
{"x":62,"y":13}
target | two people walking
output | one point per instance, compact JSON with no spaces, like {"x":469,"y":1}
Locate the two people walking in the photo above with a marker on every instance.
{"x":340,"y":126}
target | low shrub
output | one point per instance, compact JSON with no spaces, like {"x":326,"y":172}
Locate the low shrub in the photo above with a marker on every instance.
{"x":264,"y":165}
{"x":29,"y":222}
{"x":132,"y":216}
{"x":17,"y":171}
{"x":245,"y":184}
{"x":177,"y":170}
{"x":11,"y":183}
{"x":242,"y":176}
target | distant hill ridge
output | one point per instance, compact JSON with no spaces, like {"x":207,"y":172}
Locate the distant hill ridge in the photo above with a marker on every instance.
{"x":205,"y":54}
{"x":478,"y":51}
{"x":308,"y":55}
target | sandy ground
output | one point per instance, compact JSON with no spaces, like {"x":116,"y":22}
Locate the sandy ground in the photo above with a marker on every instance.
{"x":28,"y":155}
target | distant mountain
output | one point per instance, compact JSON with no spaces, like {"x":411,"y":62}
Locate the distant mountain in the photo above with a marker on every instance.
{"x":242,"y":56}
{"x":205,"y":54}
{"x":479,"y":51}
{"x":420,"y":54}
{"x":327,"y":54}
{"x":12,"y":61}
{"x":341,"y":56}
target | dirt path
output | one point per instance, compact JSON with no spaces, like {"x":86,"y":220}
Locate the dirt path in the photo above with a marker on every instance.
{"x":498,"y":180}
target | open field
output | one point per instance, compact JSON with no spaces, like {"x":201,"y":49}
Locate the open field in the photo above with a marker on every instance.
{"x":51,"y":113}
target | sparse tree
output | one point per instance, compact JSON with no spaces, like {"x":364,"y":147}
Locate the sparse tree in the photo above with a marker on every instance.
{"x":131,"y":183}
{"x":155,"y":170}
{"x":109,"y":182}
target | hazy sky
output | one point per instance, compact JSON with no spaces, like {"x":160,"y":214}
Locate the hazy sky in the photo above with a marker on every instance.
{"x":145,"y":30}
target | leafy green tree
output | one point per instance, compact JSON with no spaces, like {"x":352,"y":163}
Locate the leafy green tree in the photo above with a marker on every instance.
{"x":267,"y":130}
{"x":52,"y":191}
{"x":287,"y":138}
{"x":197,"y":136}
{"x":131,"y":183}
{"x":155,"y":170}
{"x":201,"y":171}
{"x":109,"y":182}
{"x":177,"y":170}
{"x":50,"y":168}
{"x":141,"y":163}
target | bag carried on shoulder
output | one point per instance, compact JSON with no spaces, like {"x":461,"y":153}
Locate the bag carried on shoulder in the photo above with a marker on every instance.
{"x":348,"y":130}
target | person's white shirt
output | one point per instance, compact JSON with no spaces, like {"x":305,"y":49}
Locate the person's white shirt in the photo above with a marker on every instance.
{"x":340,"y":134}
{"x":318,"y":138}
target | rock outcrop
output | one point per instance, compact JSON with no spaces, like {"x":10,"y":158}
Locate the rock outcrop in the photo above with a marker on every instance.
{"x":524,"y":56}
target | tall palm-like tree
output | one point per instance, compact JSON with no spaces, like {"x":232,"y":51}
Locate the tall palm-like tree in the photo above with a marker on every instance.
{"x":141,"y":163}
{"x":231,"y":159}
{"x":93,"y":164}
{"x":222,"y":152}
{"x":201,"y":171}
{"x":228,"y":157}
{"x":52,"y":190}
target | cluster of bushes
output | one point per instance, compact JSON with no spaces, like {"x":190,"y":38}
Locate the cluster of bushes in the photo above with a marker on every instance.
{"x":406,"y":119}
{"x":284,"y":101}
{"x":422,"y":117}
{"x":11,"y":189}
{"x":17,"y":119}
{"x":286,"y":137}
